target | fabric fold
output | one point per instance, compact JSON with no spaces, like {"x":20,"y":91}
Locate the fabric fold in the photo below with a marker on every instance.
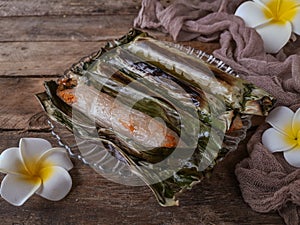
{"x":267,"y":182}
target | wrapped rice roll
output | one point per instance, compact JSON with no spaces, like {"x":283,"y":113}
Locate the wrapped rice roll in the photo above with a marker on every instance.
{"x":160,"y":112}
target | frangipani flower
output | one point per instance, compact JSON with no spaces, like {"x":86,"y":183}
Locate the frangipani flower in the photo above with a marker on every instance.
{"x":284,"y":136}
{"x":274,"y":20}
{"x":35,"y":167}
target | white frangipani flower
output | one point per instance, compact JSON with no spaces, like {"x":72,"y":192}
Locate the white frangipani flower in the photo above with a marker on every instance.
{"x":274,"y":20}
{"x":35,"y":167}
{"x":284,"y":136}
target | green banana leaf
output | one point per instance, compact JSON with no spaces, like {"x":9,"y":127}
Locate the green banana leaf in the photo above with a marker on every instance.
{"x":151,"y":82}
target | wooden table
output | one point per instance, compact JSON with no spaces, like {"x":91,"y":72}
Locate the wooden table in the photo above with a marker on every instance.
{"x":40,"y":39}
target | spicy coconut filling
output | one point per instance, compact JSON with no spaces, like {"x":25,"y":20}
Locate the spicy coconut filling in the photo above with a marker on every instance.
{"x":109,"y":112}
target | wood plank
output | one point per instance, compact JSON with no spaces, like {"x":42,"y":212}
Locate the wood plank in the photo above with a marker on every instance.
{"x":67,"y":28}
{"x":53,"y":58}
{"x":42,"y":58}
{"x":64,"y":28}
{"x":67,"y":7}
{"x":18,"y":103}
{"x":95,"y":200}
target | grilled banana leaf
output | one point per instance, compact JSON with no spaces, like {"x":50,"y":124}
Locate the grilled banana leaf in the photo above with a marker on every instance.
{"x":156,"y":110}
{"x":83,"y":127}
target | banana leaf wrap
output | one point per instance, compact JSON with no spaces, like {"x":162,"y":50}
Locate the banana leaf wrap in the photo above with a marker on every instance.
{"x":149,"y":109}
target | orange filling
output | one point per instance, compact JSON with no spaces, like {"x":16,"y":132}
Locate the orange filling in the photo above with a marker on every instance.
{"x":67,"y":96}
{"x":170,"y":141}
{"x":129,"y":126}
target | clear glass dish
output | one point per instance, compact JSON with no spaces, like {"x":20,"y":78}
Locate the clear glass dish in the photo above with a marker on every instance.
{"x":203,"y":106}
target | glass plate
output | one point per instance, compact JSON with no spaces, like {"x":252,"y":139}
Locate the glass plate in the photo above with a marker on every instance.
{"x":114,"y":169}
{"x":120,"y":164}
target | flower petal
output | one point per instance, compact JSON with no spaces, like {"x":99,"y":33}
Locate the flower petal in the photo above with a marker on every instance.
{"x":252,"y":14}
{"x":296,"y":22}
{"x":57,"y":186}
{"x":296,"y":123}
{"x":17,"y":189}
{"x":262,"y":2}
{"x":293,"y":156}
{"x":57,"y":157}
{"x":11,"y":162}
{"x":280,"y":118}
{"x":275,"y":35}
{"x":32,"y":149}
{"x":275,"y":141}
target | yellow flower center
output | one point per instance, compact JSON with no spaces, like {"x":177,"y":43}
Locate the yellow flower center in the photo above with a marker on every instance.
{"x":281,"y":11}
{"x":292,"y":138}
{"x":37,"y":172}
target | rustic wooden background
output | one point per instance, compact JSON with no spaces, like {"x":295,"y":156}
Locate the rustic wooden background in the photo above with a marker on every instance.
{"x":39,"y":40}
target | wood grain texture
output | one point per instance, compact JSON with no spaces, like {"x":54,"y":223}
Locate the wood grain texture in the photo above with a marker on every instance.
{"x":18,"y":103}
{"x":64,"y":28}
{"x":44,"y":59}
{"x":95,"y":200}
{"x":10,"y":8}
{"x":67,"y":7}
{"x":39,"y":40}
